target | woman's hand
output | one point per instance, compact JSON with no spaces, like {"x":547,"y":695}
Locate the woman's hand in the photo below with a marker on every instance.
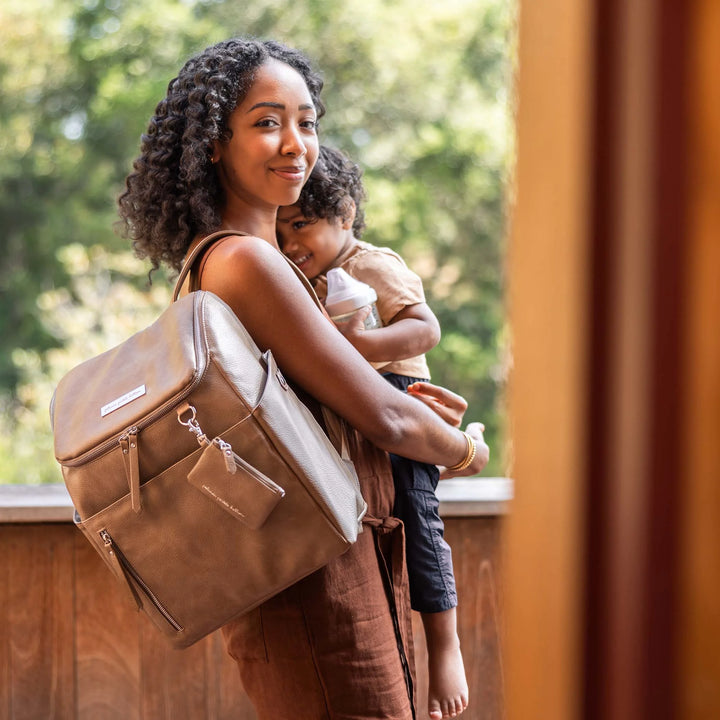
{"x":445,"y":403}
{"x":482,"y":454}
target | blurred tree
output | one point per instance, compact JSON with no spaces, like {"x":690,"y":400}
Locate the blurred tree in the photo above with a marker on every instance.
{"x":77,"y":91}
{"x":416,"y":93}
{"x":77,"y":316}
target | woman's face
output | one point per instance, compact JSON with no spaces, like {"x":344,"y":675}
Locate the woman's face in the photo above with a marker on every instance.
{"x":274,"y":142}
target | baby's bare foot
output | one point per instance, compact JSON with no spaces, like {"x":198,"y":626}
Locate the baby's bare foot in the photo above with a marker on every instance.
{"x":448,"y":692}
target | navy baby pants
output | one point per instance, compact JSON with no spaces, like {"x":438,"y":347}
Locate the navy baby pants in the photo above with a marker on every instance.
{"x":429,"y":560}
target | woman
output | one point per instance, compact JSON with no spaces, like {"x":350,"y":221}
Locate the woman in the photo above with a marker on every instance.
{"x":234,"y":139}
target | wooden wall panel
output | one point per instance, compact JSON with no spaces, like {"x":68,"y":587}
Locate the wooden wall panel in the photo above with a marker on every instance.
{"x":477,"y":552}
{"x":72,"y":647}
{"x":226,"y":698}
{"x":60,"y":640}
{"x":5,"y":658}
{"x":477,"y":559}
{"x":174,"y":682}
{"x":40,"y":624}
{"x":107,"y":641}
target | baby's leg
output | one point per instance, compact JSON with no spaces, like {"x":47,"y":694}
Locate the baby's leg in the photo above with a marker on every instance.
{"x":430,"y":572}
{"x":432,"y":585}
{"x":448,"y":691}
{"x":432,"y":593}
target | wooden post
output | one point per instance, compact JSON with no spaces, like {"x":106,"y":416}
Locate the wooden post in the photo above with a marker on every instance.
{"x":613,"y":566}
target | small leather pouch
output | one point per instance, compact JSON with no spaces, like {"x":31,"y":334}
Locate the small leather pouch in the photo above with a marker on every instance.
{"x":236,"y":486}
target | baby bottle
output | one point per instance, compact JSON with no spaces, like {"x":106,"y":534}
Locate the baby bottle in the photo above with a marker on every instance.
{"x":346,"y":295}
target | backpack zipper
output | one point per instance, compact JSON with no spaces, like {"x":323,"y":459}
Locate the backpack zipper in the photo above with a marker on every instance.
{"x":112,"y":546}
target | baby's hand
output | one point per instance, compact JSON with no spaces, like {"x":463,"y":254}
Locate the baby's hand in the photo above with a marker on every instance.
{"x":354,"y":326}
{"x":448,"y":405}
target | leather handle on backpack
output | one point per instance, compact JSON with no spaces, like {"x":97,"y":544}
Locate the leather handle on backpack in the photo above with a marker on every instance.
{"x":209,"y":239}
{"x":305,"y":282}
{"x":195,"y":254}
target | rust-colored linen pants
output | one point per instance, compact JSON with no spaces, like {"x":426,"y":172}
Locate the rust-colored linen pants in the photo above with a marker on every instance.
{"x":338,"y":644}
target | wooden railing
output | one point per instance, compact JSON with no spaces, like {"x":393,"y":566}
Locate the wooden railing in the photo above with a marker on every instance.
{"x":71,"y":648}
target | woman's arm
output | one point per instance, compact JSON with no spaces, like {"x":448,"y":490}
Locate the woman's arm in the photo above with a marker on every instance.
{"x":259,"y":285}
{"x":412,"y":332}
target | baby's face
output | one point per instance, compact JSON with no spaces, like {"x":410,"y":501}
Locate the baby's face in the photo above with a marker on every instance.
{"x":312,"y":244}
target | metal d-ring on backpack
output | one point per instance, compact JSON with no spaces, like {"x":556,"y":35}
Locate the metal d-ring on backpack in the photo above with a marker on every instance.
{"x":197,"y":474}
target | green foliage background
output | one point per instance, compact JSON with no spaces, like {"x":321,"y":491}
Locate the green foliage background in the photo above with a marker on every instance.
{"x":416,"y":91}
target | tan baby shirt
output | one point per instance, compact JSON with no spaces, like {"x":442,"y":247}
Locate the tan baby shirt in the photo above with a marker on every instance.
{"x":396,"y":286}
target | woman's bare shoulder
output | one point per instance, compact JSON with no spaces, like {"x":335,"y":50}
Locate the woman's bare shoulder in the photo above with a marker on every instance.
{"x":244,"y":261}
{"x":245,"y":249}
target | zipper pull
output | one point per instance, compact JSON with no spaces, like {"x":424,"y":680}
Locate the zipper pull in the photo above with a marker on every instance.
{"x":228,"y":455}
{"x":129,"y":445}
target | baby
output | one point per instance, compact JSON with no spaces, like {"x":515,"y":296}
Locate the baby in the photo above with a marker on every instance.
{"x":320,"y":232}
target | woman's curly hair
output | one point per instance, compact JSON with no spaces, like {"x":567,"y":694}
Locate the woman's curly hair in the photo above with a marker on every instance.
{"x":334,"y":179}
{"x":173,"y":193}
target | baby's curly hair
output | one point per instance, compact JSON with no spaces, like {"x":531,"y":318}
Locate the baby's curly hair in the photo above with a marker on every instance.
{"x":334,"y":179}
{"x":173,"y":193}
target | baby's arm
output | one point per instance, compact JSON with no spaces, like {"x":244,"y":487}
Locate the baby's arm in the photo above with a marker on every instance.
{"x":413,"y":331}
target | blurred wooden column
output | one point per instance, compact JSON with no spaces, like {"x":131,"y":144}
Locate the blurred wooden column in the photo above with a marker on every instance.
{"x":613,"y":552}
{"x":698,"y":622}
{"x":548,"y":308}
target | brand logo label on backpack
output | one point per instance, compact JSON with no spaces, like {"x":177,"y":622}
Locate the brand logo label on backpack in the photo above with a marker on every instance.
{"x":122,"y":400}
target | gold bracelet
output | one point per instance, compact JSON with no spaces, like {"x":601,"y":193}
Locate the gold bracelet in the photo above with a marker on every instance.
{"x":469,"y":456}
